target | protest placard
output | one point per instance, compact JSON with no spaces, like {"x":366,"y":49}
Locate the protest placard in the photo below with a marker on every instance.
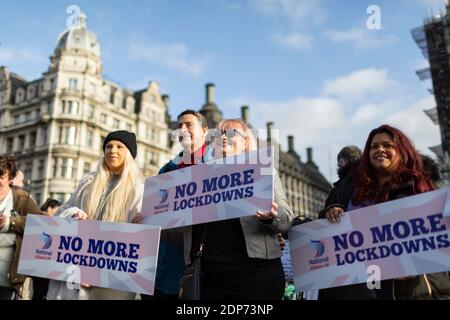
{"x":228,"y":188}
{"x":405,"y":237}
{"x":119,"y":256}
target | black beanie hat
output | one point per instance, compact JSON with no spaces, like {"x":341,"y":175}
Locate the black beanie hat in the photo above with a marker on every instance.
{"x":127,"y":138}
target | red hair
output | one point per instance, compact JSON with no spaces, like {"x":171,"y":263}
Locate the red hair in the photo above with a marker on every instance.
{"x":410,"y":170}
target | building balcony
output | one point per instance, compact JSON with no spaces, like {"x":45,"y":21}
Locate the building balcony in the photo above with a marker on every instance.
{"x":71,"y":92}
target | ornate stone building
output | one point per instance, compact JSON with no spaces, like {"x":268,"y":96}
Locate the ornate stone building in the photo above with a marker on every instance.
{"x":55,"y":125}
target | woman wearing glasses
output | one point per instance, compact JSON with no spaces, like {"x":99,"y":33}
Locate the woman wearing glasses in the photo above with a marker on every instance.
{"x":241,"y":257}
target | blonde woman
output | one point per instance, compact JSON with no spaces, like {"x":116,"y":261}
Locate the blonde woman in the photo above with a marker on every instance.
{"x":112,"y":193}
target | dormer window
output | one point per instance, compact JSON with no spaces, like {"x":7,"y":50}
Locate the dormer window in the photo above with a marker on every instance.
{"x":20,"y":95}
{"x":73,"y":84}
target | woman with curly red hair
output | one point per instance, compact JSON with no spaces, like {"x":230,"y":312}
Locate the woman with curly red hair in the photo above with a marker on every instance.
{"x":390,"y":168}
{"x":389,"y":162}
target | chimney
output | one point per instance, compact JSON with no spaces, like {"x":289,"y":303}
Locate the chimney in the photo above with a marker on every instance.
{"x":269,"y":131}
{"x":291,"y":144}
{"x":309,"y":154}
{"x":165,"y":99}
{"x":210,"y":93}
{"x":244,"y":113}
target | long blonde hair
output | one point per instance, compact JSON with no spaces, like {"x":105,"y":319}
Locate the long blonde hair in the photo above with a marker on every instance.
{"x":119,"y":201}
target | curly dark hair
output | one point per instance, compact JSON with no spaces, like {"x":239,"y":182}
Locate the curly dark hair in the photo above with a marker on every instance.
{"x":8,"y":165}
{"x":411,"y":169}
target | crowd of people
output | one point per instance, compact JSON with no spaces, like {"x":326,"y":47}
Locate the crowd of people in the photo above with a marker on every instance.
{"x":241,"y":257}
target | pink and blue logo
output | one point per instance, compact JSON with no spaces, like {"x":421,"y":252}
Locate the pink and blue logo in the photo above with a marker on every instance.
{"x":47,"y":239}
{"x":163,"y":206}
{"x":318,"y":262}
{"x":163,"y":194}
{"x":318,"y":247}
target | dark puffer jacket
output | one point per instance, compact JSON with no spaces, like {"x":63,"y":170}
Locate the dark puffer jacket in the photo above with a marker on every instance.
{"x":429,"y":286}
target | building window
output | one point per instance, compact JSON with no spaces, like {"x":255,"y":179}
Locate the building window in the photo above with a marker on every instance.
{"x":91,"y":88}
{"x":153,"y":136}
{"x":52,"y":84}
{"x":103,"y":118}
{"x":86,"y":168}
{"x":44,"y":135}
{"x":129,"y":127}
{"x":9,"y":144}
{"x":19,"y":96}
{"x":89,"y":138}
{"x":73,"y":83}
{"x":67,"y":135}
{"x":32,"y":144}
{"x":31,"y":92}
{"x":116,"y":124}
{"x":28,"y":171}
{"x":151,"y":158}
{"x":50,"y":107}
{"x":67,"y":168}
{"x":38,"y":197}
{"x":55,"y":167}
{"x":41,"y":169}
{"x":17,"y":119}
{"x":70,"y":107}
{"x":21,"y":142}
{"x":90,"y":111}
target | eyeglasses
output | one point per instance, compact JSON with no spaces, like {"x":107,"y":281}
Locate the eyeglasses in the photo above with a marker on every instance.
{"x":229,"y":133}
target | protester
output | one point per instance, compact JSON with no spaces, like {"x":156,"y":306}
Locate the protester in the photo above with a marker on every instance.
{"x":241,"y":257}
{"x":113,"y":193}
{"x":192,"y":132}
{"x":347,"y":159}
{"x":15,"y":204}
{"x":50,"y":206}
{"x":391,"y":168}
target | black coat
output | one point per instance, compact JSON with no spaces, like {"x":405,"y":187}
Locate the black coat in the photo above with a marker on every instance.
{"x":429,"y":286}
